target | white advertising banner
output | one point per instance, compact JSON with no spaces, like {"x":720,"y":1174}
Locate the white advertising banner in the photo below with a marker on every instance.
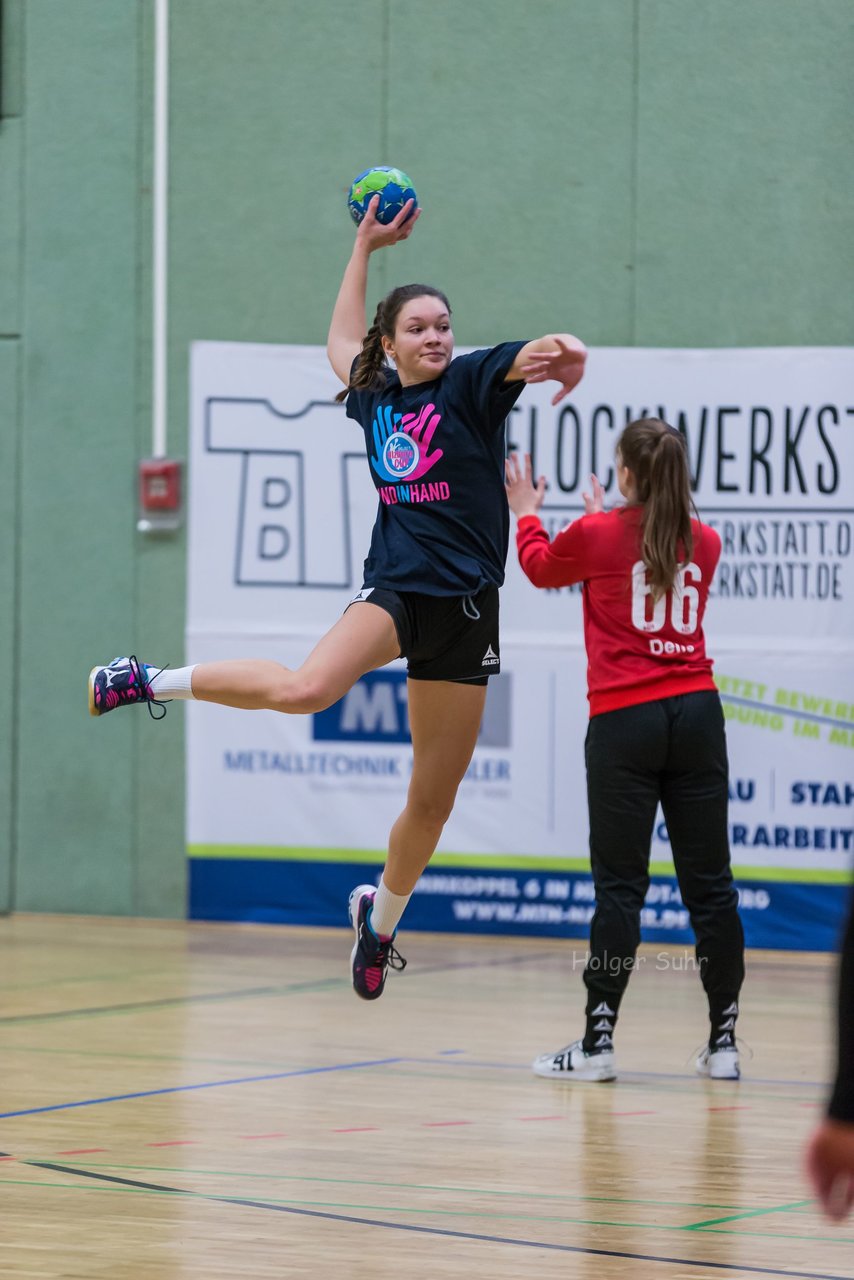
{"x":280,"y":514}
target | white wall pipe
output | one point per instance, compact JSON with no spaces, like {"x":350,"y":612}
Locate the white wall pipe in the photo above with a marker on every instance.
{"x":160,"y":202}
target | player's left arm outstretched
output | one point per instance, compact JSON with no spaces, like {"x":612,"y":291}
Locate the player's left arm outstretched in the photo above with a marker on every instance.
{"x":556,"y":357}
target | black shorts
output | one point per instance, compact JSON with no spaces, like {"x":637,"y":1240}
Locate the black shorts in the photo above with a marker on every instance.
{"x":443,"y":637}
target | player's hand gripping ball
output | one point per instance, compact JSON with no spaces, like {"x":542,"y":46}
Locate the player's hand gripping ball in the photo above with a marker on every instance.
{"x":392,"y":186}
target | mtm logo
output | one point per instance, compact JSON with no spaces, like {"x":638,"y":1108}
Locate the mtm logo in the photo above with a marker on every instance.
{"x":376,"y":710}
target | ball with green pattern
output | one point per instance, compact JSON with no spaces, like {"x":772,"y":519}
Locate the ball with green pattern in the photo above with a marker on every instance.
{"x":392,"y":186}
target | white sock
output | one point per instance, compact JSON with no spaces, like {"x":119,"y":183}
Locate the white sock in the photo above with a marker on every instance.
{"x":386,"y":912}
{"x":171,"y":684}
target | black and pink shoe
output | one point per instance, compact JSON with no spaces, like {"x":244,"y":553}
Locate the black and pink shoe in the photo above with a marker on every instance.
{"x":371,"y":957}
{"x":123,"y":682}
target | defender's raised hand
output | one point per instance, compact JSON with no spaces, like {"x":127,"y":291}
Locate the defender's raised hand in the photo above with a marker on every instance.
{"x":524,"y":497}
{"x":595,"y":502}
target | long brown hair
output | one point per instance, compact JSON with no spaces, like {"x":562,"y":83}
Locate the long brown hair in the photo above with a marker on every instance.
{"x":657,"y":456}
{"x":368,"y":370}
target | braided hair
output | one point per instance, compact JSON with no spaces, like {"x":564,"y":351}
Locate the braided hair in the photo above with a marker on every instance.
{"x":371,"y":361}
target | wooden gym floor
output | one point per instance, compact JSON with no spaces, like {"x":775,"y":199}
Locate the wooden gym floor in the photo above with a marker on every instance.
{"x":182,"y":1100}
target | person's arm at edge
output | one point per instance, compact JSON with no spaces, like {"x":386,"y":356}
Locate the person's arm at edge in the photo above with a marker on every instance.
{"x":841,"y":1105}
{"x":829,"y":1157}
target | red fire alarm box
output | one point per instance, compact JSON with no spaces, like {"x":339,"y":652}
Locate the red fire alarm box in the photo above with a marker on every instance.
{"x":159,"y":494}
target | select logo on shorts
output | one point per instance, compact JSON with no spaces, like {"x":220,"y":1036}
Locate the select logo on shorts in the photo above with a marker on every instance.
{"x":490,"y":658}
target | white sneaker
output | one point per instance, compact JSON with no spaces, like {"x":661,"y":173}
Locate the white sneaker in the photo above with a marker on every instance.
{"x":572,"y":1063}
{"x":720,"y":1064}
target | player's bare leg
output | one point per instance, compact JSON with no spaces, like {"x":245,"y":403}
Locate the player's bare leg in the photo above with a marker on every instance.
{"x":362,"y":640}
{"x":444,"y":720}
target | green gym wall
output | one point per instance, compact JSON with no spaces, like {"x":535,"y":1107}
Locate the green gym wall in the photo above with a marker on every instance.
{"x":641,"y":172}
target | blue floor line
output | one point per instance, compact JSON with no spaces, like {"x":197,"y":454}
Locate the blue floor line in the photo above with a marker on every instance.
{"x":441,"y":1060}
{"x":207,"y":1084}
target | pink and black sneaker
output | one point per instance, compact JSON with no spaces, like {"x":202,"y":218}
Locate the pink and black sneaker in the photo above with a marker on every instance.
{"x":371,"y":957}
{"x":124,"y":681}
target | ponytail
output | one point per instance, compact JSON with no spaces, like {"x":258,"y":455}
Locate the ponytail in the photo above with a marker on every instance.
{"x":368,"y":370}
{"x":657,"y":456}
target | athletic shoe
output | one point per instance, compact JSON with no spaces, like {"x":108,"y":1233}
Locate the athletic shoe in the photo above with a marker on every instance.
{"x":719,"y":1064}
{"x":572,"y":1063}
{"x":371,"y":957}
{"x":124,"y":681}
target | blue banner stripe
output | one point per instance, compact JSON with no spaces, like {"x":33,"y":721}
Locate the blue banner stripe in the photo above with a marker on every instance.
{"x":786,"y":916}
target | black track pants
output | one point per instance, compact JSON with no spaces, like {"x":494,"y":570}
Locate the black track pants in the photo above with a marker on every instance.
{"x":672,"y":751}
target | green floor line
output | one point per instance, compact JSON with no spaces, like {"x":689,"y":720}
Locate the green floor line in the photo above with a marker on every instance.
{"x":147,"y":1057}
{"x":83,"y":1186}
{"x":322,"y":984}
{"x":339,"y":1204}
{"x":351,"y":1205}
{"x":131,"y":975}
{"x":201,"y":997}
{"x":327,"y":1205}
{"x":747,"y":1213}
{"x":480,"y":1214}
{"x":408,"y":1186}
{"x":104,"y":1054}
{"x":783,"y":1235}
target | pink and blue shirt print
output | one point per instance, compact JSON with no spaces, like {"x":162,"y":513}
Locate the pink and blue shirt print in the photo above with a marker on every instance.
{"x":402,"y":443}
{"x":436,"y":453}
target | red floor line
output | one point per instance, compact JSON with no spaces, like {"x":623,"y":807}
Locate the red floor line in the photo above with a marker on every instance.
{"x":443,"y":1124}
{"x":427,"y":1124}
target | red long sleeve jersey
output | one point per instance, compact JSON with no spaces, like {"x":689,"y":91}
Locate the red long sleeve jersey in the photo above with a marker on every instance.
{"x":637,"y":651}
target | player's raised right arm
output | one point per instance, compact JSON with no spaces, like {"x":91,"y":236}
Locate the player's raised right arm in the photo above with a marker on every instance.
{"x":349,"y":325}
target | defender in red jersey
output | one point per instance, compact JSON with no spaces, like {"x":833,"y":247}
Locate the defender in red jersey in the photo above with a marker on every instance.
{"x":656,"y":732}
{"x":638,"y":648}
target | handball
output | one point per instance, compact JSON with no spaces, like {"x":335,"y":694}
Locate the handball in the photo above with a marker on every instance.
{"x":392,"y":186}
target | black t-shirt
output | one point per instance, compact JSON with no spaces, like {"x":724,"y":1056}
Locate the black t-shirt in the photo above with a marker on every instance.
{"x":436,"y":454}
